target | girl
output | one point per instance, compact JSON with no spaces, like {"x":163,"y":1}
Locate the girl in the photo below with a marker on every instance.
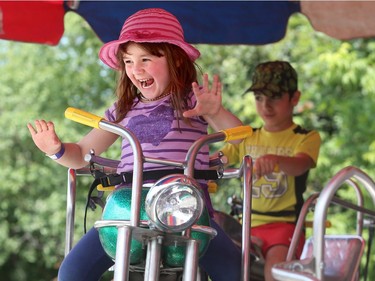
{"x":160,"y":101}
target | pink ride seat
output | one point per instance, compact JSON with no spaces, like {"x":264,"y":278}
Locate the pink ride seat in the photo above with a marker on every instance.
{"x":342,"y":257}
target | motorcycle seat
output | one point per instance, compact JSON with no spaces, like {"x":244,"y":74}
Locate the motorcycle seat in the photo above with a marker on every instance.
{"x":342,"y":255}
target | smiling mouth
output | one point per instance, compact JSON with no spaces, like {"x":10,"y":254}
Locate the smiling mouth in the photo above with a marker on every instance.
{"x":147,"y":83}
{"x":268,"y":115}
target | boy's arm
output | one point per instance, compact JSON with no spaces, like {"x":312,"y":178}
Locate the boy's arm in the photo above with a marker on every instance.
{"x":291,"y":166}
{"x":305,"y":158}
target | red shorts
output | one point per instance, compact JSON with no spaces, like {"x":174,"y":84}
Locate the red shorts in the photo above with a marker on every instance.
{"x":278,"y":233}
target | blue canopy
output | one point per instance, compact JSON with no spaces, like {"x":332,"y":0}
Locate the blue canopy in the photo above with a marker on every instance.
{"x":208,"y":22}
{"x":214,"y":22}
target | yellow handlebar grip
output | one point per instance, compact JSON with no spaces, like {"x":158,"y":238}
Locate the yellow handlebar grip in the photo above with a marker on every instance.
{"x":212,"y":187}
{"x":100,"y":187}
{"x":83,"y":117}
{"x":277,"y":168}
{"x":237,"y":133}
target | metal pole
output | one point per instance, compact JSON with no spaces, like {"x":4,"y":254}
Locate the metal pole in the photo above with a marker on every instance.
{"x":70,"y":210}
{"x":247,"y":168}
{"x":124,"y":235}
{"x":152,"y":269}
{"x":191,"y":260}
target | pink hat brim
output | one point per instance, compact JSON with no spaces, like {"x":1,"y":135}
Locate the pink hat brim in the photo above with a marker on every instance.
{"x":108,"y":51}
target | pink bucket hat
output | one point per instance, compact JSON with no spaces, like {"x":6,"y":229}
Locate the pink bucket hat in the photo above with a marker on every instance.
{"x":149,"y":25}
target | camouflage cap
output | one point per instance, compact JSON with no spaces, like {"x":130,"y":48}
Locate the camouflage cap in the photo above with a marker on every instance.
{"x":274,"y":78}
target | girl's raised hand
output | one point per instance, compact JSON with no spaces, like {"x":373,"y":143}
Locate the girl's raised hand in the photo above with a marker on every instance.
{"x":208,"y":98}
{"x":45,"y":137}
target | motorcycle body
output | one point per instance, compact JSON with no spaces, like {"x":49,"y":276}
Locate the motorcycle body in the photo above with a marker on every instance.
{"x":173,"y":244}
{"x":142,"y":235}
{"x":157,"y":228}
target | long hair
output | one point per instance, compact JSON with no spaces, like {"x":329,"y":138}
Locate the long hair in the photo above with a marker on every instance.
{"x":182,"y":71}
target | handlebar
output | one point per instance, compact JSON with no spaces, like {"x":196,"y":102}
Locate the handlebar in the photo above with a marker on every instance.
{"x":83,"y":117}
{"x":188,"y":165}
{"x":237,"y":133}
{"x":92,"y":120}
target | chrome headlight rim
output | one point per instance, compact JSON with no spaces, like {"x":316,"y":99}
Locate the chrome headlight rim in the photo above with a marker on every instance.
{"x":174,"y":203}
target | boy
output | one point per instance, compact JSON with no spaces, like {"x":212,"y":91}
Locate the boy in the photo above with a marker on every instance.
{"x":283,"y":153}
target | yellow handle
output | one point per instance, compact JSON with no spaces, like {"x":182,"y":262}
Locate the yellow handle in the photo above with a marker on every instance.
{"x":212,"y":187}
{"x":83,"y":117}
{"x":237,"y":133}
{"x":100,"y":187}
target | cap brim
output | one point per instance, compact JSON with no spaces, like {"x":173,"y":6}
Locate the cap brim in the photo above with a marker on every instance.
{"x":265,"y":92}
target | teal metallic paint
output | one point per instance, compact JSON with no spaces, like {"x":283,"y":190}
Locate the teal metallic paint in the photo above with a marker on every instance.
{"x":118,"y":207}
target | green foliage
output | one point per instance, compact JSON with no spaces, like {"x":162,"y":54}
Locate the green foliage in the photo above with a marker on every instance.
{"x":41,"y":82}
{"x":337,"y":100}
{"x":37,"y":81}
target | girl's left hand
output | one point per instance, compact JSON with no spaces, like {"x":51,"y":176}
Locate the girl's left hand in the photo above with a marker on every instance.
{"x":208,"y":99}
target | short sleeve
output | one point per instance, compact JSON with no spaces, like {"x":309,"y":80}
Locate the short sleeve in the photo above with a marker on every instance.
{"x":310,"y":146}
{"x":231,"y":151}
{"x":110,"y":113}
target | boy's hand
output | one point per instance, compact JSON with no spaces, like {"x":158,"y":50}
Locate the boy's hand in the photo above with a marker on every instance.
{"x":208,"y":99}
{"x":265,"y":165}
{"x":44,"y":136}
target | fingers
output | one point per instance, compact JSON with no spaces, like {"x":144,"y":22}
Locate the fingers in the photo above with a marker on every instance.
{"x":41,"y":126}
{"x":216,"y":85}
{"x":50,"y":126}
{"x":196,"y":89}
{"x":31,"y":129}
{"x":205,"y":83}
{"x":215,"y":88}
{"x":265,"y":165}
{"x":208,"y":98}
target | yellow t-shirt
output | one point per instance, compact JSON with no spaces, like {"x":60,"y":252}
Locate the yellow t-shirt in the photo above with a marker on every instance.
{"x":276,"y":197}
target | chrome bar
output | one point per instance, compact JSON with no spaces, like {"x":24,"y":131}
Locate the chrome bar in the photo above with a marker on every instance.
{"x":360,"y":205}
{"x":247,"y":168}
{"x":70,"y":205}
{"x":300,"y":225}
{"x":320,"y":214}
{"x":137,"y":167}
{"x":153,"y":258}
{"x":194,"y":149}
{"x":70,"y":210}
{"x":191,"y":260}
{"x":124,"y":235}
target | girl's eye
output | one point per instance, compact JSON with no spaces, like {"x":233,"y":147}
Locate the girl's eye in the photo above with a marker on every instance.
{"x":126,"y":61}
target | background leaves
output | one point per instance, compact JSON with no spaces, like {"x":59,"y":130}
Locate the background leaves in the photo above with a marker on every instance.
{"x":36,"y":81}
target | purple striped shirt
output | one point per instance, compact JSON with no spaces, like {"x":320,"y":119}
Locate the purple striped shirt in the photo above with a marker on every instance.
{"x":155,"y":125}
{"x":160,"y":136}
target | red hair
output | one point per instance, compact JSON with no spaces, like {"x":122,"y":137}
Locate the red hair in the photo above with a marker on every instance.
{"x":182,"y":71}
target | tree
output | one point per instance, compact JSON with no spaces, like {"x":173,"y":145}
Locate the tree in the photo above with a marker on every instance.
{"x":337,"y":97}
{"x":42,"y":81}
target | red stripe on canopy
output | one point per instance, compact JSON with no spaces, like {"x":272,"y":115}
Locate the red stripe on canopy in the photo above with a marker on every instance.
{"x":32,"y":21}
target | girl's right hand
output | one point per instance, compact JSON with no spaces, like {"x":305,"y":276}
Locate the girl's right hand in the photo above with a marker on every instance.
{"x":45,"y":137}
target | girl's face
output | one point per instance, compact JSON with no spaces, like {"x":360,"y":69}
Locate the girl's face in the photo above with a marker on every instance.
{"x":149,"y":73}
{"x":276,"y":112}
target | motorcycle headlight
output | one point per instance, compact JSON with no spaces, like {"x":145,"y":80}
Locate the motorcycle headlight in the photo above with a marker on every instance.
{"x":174,"y":203}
